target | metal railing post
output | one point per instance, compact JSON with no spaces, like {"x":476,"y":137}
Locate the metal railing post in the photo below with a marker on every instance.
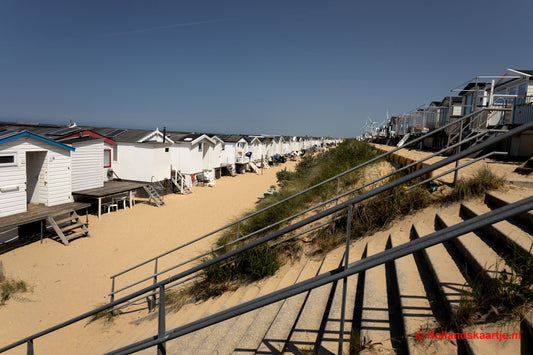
{"x":112,"y":294}
{"x":155,"y":271}
{"x":155,"y":281}
{"x":456,"y":174}
{"x":29,"y":348}
{"x":345,"y":280}
{"x":337,"y":194}
{"x":161,"y":348}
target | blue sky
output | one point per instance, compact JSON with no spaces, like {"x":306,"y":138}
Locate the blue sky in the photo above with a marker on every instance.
{"x":274,"y":67}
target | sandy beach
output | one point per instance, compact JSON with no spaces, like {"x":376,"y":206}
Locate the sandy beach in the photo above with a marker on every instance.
{"x":68,"y":280}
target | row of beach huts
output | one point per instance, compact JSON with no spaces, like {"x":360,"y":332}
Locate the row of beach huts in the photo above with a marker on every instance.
{"x":48,"y":165}
{"x":482,"y":104}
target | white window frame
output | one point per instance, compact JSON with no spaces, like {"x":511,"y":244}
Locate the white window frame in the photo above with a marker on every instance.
{"x":7,"y":154}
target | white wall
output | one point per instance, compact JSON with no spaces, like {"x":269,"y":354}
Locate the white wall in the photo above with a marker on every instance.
{"x":141,"y":161}
{"x":54,"y":178}
{"x":228,"y":154}
{"x":87,"y":162}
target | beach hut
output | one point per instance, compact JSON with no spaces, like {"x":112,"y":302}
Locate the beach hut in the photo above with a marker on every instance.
{"x":88,"y":164}
{"x":256,"y":148}
{"x":94,"y":152}
{"x":33,"y":169}
{"x":139,"y":155}
{"x":193,"y":154}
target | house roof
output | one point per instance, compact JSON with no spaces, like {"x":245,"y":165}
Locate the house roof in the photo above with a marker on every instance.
{"x":10,"y":135}
{"x":232,"y":138}
{"x":526,"y":72}
{"x":74,"y":140}
{"x":89,"y":133}
{"x":194,"y":138}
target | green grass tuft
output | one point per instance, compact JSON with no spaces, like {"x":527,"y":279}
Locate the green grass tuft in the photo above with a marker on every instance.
{"x":483,"y":180}
{"x":8,"y":287}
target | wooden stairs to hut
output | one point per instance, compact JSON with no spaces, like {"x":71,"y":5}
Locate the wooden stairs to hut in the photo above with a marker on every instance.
{"x":154,"y":195}
{"x":231,"y":170}
{"x":68,"y":228}
{"x":254,"y":167}
{"x":392,"y":308}
{"x":179,"y":182}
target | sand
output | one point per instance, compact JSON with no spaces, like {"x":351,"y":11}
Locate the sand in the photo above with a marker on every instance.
{"x":66,"y":281}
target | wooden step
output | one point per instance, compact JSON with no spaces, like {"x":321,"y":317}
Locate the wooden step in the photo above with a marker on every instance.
{"x":76,"y":235}
{"x":72,"y":226}
{"x":64,"y":220}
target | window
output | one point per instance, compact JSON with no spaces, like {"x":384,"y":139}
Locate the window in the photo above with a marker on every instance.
{"x":167,"y":150}
{"x":522,"y":90}
{"x":115,"y":153}
{"x":8,"y":159}
{"x":200,"y":146}
{"x":107,"y":158}
{"x":223,"y":146}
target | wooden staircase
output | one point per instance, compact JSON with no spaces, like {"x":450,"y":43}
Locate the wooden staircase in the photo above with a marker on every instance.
{"x":254,"y":167}
{"x":179,"y":181}
{"x":154,"y":195}
{"x":74,"y":227}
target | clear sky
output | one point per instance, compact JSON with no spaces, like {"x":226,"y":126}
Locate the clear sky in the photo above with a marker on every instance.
{"x":275,"y":67}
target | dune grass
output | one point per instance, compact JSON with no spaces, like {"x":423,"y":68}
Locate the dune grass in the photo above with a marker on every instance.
{"x":8,"y":287}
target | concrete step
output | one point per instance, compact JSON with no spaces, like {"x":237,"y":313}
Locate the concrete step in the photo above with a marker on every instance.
{"x":504,"y":233}
{"x":306,"y":331}
{"x":271,"y":325}
{"x":499,"y":199}
{"x":481,"y":258}
{"x":330,"y":339}
{"x":193,"y":342}
{"x":447,"y":276}
{"x":225,"y":335}
{"x":375,"y":331}
{"x":199,"y":341}
{"x":416,"y":310}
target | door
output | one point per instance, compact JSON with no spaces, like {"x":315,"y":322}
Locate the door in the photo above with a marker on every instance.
{"x":34,"y":175}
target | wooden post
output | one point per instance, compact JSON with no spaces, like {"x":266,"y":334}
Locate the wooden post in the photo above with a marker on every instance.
{"x":99,"y":207}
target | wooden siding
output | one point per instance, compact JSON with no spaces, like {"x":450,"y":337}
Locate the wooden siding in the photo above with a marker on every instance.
{"x":54,"y":178}
{"x":87,"y":162}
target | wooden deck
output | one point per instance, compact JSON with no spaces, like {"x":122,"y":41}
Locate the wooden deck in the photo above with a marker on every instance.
{"x":39,"y":212}
{"x":110,"y":188}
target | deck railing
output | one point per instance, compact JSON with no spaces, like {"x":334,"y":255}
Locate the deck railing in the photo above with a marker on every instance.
{"x":163,"y":336}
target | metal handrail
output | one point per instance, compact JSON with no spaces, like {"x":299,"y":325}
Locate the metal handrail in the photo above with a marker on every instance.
{"x":274,"y":235}
{"x":238,"y":221}
{"x":337,"y":274}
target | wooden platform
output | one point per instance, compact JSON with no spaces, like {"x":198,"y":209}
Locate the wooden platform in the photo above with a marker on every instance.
{"x":39,"y":212}
{"x":110,"y":188}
